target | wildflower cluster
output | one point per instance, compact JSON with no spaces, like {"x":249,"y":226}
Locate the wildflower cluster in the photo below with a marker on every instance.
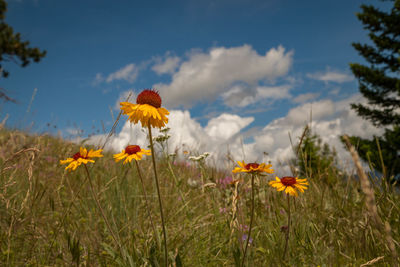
{"x":200,"y":157}
{"x":149,"y":113}
{"x":288,"y":184}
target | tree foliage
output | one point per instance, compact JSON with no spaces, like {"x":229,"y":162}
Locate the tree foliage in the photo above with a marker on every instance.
{"x":13,"y":49}
{"x":379,"y":83}
{"x":316,"y":159}
{"x":382,"y":152}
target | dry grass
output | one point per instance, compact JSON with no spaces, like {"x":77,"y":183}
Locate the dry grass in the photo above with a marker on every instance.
{"x":49,"y":218}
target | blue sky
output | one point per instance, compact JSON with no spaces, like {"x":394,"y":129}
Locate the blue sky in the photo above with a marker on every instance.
{"x":258,"y":60}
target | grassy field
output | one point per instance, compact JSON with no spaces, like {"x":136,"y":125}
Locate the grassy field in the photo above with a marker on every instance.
{"x":48,"y":216}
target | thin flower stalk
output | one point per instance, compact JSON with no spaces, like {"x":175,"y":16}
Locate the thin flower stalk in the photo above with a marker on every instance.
{"x":251,"y":219}
{"x":159,"y":195}
{"x":253,"y":169}
{"x":290,"y":185}
{"x":288,"y":228}
{"x":149,"y":113}
{"x":146,"y":201}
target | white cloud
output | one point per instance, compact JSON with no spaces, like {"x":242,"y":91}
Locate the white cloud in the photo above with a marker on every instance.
{"x":169,"y":65}
{"x":226,"y":125}
{"x":241,"y":96}
{"x":331,"y":76}
{"x":127,"y":73}
{"x":225,"y":132}
{"x":329,"y":120}
{"x":305,"y":97}
{"x":204,"y":76}
{"x":98,"y":79}
{"x":73,"y":131}
{"x":186,"y":134}
{"x":123,"y":96}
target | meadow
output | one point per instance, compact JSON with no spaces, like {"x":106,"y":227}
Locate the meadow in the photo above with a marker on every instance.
{"x":48,"y":216}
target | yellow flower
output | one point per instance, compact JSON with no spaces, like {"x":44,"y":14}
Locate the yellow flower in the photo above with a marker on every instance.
{"x":130,"y":153}
{"x":253,"y":168}
{"x":289,"y":184}
{"x":147,"y":110}
{"x":83,"y":156}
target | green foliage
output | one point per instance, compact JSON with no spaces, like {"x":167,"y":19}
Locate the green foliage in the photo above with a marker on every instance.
{"x":380,"y":151}
{"x":12,"y":48}
{"x":316,"y":159}
{"x":379,"y":82}
{"x":380,"y":85}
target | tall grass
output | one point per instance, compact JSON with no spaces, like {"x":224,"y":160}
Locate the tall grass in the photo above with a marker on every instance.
{"x":48,"y":217}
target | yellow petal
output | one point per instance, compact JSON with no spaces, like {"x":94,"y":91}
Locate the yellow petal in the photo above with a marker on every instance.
{"x":146,"y":152}
{"x":237,"y":169}
{"x":83,"y":151}
{"x":68,"y":160}
{"x":242,"y":164}
{"x":95,"y":154}
{"x":291,"y":191}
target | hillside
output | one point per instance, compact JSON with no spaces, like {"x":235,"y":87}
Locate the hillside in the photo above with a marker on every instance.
{"x":48,"y":216}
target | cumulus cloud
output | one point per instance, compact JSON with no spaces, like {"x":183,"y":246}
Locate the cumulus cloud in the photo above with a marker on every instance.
{"x":226,"y":132}
{"x":206,"y":75}
{"x":186,"y":134}
{"x":123,"y":96}
{"x":241,"y":96}
{"x":329,"y":120}
{"x":226,"y":125}
{"x":305,"y":97}
{"x":331,"y":76}
{"x":166,"y":66}
{"x":127,"y":73}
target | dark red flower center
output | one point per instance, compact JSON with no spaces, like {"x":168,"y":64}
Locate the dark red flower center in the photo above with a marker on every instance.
{"x":150,"y":97}
{"x":78,"y":155}
{"x":132,"y":149}
{"x":251,"y":165}
{"x":288,"y":181}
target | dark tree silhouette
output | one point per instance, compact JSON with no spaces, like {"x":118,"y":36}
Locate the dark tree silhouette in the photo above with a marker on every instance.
{"x":379,"y":83}
{"x":13,"y":49}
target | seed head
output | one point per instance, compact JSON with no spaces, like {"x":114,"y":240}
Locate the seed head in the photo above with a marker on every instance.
{"x":133,"y":149}
{"x":288,"y":181}
{"x":78,"y":155}
{"x":251,"y":165}
{"x":150,"y":97}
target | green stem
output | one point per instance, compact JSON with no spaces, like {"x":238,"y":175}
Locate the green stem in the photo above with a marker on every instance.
{"x":62,"y":222}
{"x":159,"y":196}
{"x":101,"y":210}
{"x":175,"y":180}
{"x":288,"y":228}
{"x":147,"y":202}
{"x":251,"y":219}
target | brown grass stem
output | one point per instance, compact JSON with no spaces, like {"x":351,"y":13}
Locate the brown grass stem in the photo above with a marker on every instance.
{"x":159,"y":196}
{"x":370,"y":201}
{"x":251,"y":219}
